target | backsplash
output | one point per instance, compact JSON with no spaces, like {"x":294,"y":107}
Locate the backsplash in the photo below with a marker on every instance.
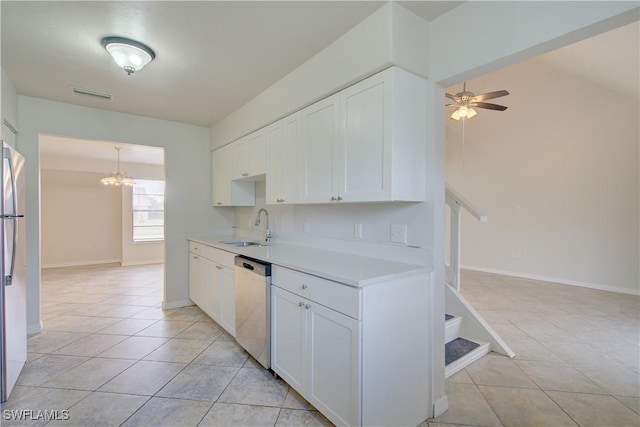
{"x":332,"y":226}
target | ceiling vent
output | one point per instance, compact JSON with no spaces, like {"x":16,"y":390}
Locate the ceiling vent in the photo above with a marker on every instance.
{"x":89,"y":92}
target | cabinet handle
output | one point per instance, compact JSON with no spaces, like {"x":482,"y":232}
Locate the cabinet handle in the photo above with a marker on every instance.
{"x":218,"y":203}
{"x":304,"y":286}
{"x":339,"y":198}
{"x":218,"y":267}
{"x":307,"y":306}
{"x":245,"y":174}
{"x":333,"y":198}
{"x":301,"y":304}
{"x":195,"y":257}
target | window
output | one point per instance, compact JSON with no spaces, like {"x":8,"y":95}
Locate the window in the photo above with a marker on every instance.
{"x":148,"y":210}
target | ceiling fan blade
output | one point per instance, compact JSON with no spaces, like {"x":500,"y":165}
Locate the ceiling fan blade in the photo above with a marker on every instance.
{"x":489,"y":106}
{"x":450,"y":105}
{"x":451,"y":97}
{"x":490,"y":95}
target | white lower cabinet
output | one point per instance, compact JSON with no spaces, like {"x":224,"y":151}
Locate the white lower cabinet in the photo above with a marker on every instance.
{"x":211,"y":284}
{"x":359,"y":355}
{"x":197,"y":279}
{"x":317,"y":351}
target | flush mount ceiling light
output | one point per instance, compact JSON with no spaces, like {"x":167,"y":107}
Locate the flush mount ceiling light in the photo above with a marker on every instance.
{"x":117,"y":179}
{"x":131,"y":55}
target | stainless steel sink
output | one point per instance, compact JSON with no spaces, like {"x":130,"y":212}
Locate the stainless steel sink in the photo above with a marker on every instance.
{"x":242,"y":243}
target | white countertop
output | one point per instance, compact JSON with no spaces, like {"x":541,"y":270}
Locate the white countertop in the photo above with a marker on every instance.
{"x":352,"y":270}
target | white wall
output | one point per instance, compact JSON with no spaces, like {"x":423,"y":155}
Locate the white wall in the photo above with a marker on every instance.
{"x":75,"y":239}
{"x":81,"y":219}
{"x":391,"y":35}
{"x":557,"y":174}
{"x":8,"y":109}
{"x":188,"y":182}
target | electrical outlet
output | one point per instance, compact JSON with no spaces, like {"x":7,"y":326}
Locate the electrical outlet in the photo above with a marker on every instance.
{"x":399,"y":233}
{"x":357,"y":231}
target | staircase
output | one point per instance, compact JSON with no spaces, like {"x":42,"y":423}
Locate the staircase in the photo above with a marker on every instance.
{"x":460,"y":351}
{"x":468,"y":336}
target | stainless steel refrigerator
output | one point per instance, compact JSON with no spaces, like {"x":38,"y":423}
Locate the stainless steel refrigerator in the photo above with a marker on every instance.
{"x":13,"y":295}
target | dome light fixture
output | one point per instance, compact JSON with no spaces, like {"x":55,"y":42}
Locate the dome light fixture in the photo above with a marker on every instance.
{"x":131,"y":55}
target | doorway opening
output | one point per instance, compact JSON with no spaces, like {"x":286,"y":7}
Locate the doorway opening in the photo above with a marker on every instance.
{"x":101,"y":245}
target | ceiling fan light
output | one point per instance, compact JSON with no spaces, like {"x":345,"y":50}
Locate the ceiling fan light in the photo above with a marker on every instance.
{"x":129,"y":54}
{"x":470,"y":113}
{"x":463,"y":111}
{"x":456,"y":114}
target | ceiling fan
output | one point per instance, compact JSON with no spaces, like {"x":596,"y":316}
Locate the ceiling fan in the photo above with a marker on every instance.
{"x":465,"y":102}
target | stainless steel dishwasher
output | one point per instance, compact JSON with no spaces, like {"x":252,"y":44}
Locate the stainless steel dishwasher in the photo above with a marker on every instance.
{"x":253,"y":313}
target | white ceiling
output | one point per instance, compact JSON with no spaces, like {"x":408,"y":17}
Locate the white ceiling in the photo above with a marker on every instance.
{"x":214,"y":56}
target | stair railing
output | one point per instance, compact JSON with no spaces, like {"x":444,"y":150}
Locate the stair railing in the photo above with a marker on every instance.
{"x":457,"y":204}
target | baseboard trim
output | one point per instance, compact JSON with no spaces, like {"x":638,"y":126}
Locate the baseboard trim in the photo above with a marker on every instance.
{"x":440,"y":406}
{"x":597,"y":286}
{"x":177,"y":304}
{"x":82,"y":264}
{"x":146,"y":262}
{"x":34,"y":329}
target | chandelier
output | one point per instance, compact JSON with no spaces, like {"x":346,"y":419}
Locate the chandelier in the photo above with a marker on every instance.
{"x":117,"y":179}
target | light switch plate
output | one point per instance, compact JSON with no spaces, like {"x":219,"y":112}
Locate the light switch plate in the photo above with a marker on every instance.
{"x":399,"y":233}
{"x":357,"y":231}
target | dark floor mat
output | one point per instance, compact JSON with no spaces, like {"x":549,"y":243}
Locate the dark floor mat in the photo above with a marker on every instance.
{"x":457,"y":348}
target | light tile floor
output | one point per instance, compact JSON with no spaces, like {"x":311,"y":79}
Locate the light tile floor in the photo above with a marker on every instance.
{"x":577,"y":363}
{"x":111,"y":356}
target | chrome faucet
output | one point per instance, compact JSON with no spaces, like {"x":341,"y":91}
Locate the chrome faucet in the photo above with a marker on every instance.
{"x":267,"y":235}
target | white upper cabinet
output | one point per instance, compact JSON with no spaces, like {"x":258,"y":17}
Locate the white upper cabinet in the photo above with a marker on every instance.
{"x":283,"y":141}
{"x":226,"y":192}
{"x":250,"y":156}
{"x":318,"y":150}
{"x":366,"y":143}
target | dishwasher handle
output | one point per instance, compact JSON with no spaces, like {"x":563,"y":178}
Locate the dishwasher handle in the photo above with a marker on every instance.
{"x":253,"y":265}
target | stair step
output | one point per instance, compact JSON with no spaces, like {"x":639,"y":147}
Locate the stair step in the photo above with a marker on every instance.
{"x":452,"y":328}
{"x":462,"y":352}
{"x":457,"y":348}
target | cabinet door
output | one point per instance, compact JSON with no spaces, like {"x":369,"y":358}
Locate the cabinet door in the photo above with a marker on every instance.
{"x":249,"y":156}
{"x":362,"y":170}
{"x":275,"y":163}
{"x":257,"y":153}
{"x":283,"y":140}
{"x":291,"y":141}
{"x":288,"y":338}
{"x":221,"y":176}
{"x":333,"y":356}
{"x":214,"y":291}
{"x":228,"y":318}
{"x":319,"y":138}
{"x":226,"y":192}
{"x":197,"y":280}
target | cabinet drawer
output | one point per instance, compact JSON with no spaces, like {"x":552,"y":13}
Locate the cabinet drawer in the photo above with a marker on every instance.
{"x":337,"y":296}
{"x":221,"y":257}
{"x":198,"y":249}
{"x":216,"y":255}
